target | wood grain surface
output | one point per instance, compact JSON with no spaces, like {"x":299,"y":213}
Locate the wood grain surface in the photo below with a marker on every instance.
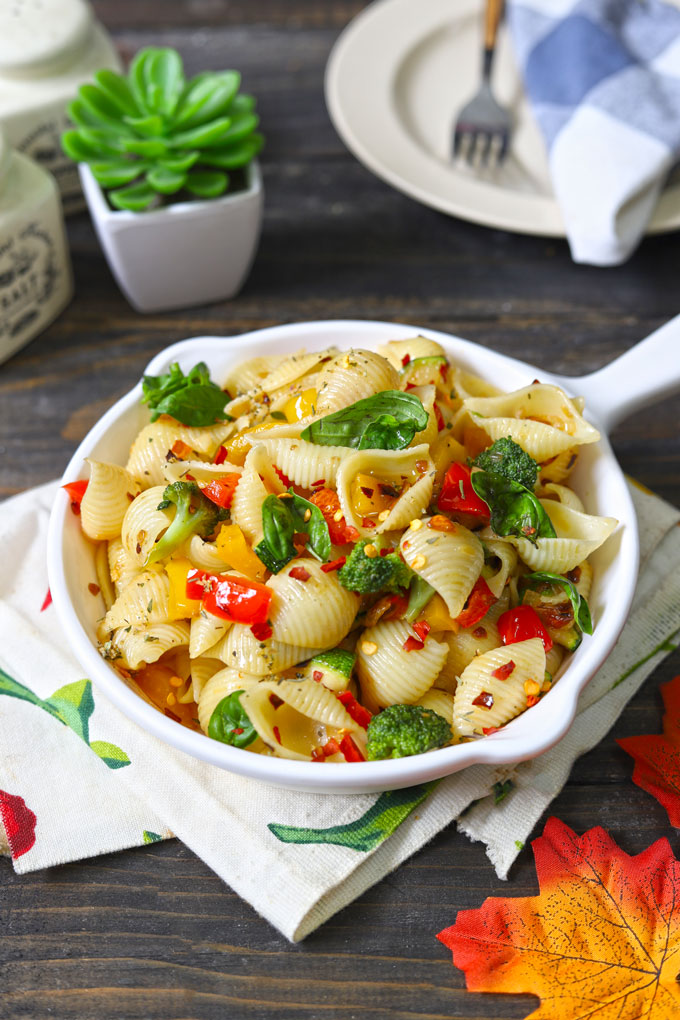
{"x":153,"y":933}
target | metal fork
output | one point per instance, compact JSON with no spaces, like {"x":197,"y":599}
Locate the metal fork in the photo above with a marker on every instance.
{"x":482,"y":131}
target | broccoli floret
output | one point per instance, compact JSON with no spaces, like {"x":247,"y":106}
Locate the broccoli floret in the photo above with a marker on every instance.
{"x":195,"y":514}
{"x":507,"y":458}
{"x":366,"y":574}
{"x":401,"y":730}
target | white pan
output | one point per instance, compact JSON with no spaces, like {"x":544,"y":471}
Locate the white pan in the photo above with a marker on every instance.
{"x":644,"y":374}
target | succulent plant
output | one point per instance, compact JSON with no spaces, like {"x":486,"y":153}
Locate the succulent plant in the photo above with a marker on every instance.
{"x":153,"y":133}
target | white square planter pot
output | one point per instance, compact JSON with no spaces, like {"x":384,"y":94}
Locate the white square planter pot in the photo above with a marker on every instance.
{"x":187,"y":254}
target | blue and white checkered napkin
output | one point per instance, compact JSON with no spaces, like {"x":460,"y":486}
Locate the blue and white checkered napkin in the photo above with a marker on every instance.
{"x":603,"y":77}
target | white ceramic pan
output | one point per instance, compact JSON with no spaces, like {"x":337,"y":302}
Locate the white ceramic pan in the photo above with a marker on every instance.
{"x":644,"y":374}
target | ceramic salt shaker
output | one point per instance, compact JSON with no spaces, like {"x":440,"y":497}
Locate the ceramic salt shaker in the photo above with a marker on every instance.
{"x":35,"y":268}
{"x":48,"y":48}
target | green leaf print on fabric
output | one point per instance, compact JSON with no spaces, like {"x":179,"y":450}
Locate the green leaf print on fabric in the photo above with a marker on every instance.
{"x":72,"y":705}
{"x":151,"y":837}
{"x":368,"y":831}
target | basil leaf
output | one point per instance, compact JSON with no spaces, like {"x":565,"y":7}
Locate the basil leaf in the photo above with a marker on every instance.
{"x":514,"y":509}
{"x":192,"y":399}
{"x":281,"y":520}
{"x":230,"y":723}
{"x":582,"y":617}
{"x":385,"y":421}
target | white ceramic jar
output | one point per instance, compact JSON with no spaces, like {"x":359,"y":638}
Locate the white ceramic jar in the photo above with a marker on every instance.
{"x":35,"y":269}
{"x":47,"y":49}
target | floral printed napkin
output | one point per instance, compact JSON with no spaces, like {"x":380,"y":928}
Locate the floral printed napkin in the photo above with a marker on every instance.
{"x":78,"y":779}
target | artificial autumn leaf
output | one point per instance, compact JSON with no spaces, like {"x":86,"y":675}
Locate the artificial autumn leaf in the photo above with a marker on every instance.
{"x":601,"y":941}
{"x":657,"y":755}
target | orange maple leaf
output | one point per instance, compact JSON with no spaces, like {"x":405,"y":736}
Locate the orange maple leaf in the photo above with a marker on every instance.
{"x":601,"y":941}
{"x":657,"y":755}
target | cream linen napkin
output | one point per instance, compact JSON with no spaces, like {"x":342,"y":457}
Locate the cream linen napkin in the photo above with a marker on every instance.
{"x":78,"y":779}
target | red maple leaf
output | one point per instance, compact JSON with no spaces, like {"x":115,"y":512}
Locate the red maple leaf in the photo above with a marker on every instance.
{"x":19,"y":822}
{"x":657,"y":755}
{"x":600,"y":942}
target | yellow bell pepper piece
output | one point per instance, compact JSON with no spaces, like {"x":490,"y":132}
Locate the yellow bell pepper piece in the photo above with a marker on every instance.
{"x":234,"y":550}
{"x":300,"y":406}
{"x":179,"y":606}
{"x":438,"y":616}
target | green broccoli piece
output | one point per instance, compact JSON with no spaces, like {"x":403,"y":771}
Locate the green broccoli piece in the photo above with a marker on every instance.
{"x":402,"y":730}
{"x":365,"y":574}
{"x":195,"y":514}
{"x":507,"y":458}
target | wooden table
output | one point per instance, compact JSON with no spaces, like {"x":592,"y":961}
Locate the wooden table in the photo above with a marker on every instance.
{"x":153,"y":932}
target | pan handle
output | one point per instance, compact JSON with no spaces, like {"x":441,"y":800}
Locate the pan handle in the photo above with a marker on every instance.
{"x":646,"y":373}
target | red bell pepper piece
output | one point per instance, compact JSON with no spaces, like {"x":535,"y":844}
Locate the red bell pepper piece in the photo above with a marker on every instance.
{"x":262,"y":631}
{"x":412,"y":644}
{"x":457,"y":493}
{"x":222,"y":492}
{"x":441,"y":425}
{"x":328,"y":503}
{"x":521,"y":624}
{"x":230,"y":597}
{"x":357,"y":712}
{"x":334,"y":564}
{"x":350,"y":749}
{"x":76,"y":491}
{"x":479,"y":601}
{"x":422,"y":629}
{"x":221,"y":455}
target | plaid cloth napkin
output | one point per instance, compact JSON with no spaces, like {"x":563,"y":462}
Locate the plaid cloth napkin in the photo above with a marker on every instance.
{"x":603,"y":78}
{"x":78,"y":779}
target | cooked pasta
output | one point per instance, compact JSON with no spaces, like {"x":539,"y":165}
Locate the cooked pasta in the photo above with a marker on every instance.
{"x":335,"y":548}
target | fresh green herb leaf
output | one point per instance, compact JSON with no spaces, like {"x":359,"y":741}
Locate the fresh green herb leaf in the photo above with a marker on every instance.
{"x":514,"y":509}
{"x":192,"y":399}
{"x":277,"y":415}
{"x":507,"y":458}
{"x":582,"y":616}
{"x":385,"y":421}
{"x":501,"y":790}
{"x":281,"y":520}
{"x":230,"y":723}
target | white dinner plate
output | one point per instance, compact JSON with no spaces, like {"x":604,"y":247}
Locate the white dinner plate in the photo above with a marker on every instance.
{"x":395,"y":80}
{"x":642,"y":375}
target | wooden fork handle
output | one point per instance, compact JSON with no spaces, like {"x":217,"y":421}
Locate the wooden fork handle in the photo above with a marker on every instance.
{"x":494,"y":11}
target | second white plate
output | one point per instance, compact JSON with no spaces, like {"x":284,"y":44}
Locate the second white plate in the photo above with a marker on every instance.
{"x":396,"y":78}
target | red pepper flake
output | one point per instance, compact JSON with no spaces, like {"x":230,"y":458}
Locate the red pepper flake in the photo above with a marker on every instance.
{"x":441,"y":424}
{"x":284,"y":478}
{"x":334,"y":564}
{"x":410,"y":386}
{"x":277,"y":734}
{"x":422,"y":629}
{"x":405,"y":360}
{"x":75,"y":508}
{"x":276,"y":700}
{"x":443,"y":369}
{"x":504,"y":671}
{"x":47,"y":601}
{"x":93,"y":588}
{"x":385,"y":552}
{"x":237,"y":730}
{"x":366,"y":522}
{"x":299,"y":574}
{"x":319,"y":481}
{"x":488,"y":730}
{"x":358,"y":713}
{"x":221,"y":455}
{"x":171,"y":715}
{"x":479,"y":633}
{"x":181,"y":450}
{"x":412,"y":644}
{"x":317,"y":675}
{"x":326,"y":750}
{"x":189,"y":478}
{"x":367,"y":491}
{"x":261,"y":631}
{"x":484,"y":700}
{"x":532,"y":699}
{"x":350,"y":749}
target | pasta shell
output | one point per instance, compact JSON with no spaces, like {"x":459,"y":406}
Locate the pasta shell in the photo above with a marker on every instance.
{"x":206,"y":631}
{"x":304,"y":463}
{"x":201,"y":670}
{"x":144,"y":524}
{"x":469,"y":642}
{"x":389,"y":675}
{"x":501,"y":566}
{"x":251,"y":492}
{"x":561,"y":494}
{"x":440,"y":702}
{"x":313,"y":612}
{"x":249,"y":374}
{"x":150,"y":450}
{"x":122,"y":566}
{"x":108,"y":496}
{"x":144,"y":601}
{"x":143,"y":645}
{"x":199,"y":470}
{"x":451,"y":561}
{"x":497,"y":700}
{"x":219,"y":686}
{"x":353,"y":376}
{"x":240,"y":649}
{"x":578,"y":535}
{"x":395,"y":466}
{"x":204,"y":555}
{"x":415,"y":347}
{"x":541,"y":418}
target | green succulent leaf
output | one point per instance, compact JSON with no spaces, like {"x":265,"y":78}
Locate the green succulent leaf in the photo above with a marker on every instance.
{"x":77,"y":149}
{"x":240,"y":128}
{"x":235,"y":156}
{"x":150,"y":147}
{"x":165,"y":80}
{"x":166,"y":181}
{"x":105,"y":143}
{"x":81,"y":116}
{"x":149,"y":126}
{"x":113,"y":175}
{"x":117,"y":89}
{"x":204,"y":134}
{"x":99,"y":104}
{"x":242,"y":103}
{"x":180,"y":164}
{"x":135,"y":198}
{"x":207,"y":183}
{"x":137,"y":78}
{"x":206,"y":99}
